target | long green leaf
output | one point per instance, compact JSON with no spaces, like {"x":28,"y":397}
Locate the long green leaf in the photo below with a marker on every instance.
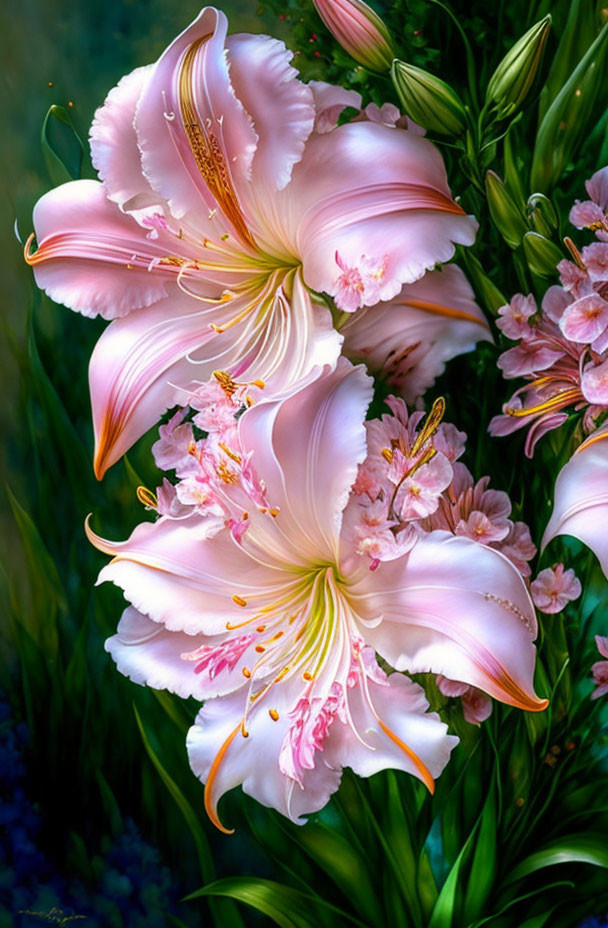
{"x":287,"y":907}
{"x":578,"y":848}
{"x":203,"y":850}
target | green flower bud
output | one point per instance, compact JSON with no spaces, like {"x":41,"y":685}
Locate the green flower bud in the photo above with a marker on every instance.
{"x":541,"y":214}
{"x":542,"y":255}
{"x":504,"y":211}
{"x":568,"y":120}
{"x":511,"y":82}
{"x":485,"y":289}
{"x":428,"y":100}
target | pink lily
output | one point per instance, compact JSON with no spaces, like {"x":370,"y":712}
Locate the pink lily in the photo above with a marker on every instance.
{"x":221,"y":216}
{"x":476,"y":706}
{"x":276,"y":628}
{"x":581,"y":498}
{"x":410,"y":339}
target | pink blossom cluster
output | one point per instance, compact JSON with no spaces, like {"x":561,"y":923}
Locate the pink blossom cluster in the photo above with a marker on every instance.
{"x":412,"y":483}
{"x":215,"y":475}
{"x":563,"y":347}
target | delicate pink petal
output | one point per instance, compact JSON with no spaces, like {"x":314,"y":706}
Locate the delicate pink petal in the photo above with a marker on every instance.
{"x":395,"y":211}
{"x":457,"y":608}
{"x":190,"y":87}
{"x":554,"y":588}
{"x":151,"y":655}
{"x":411,"y":337}
{"x":408,"y":736}
{"x":306,"y":448}
{"x":581,"y":498}
{"x":136,"y":369}
{"x":93,"y":257}
{"x":555,"y":302}
{"x":585,"y":319}
{"x":476,"y":706}
{"x":280,"y":105}
{"x":527,"y":358}
{"x":513,"y":318}
{"x":594,"y":383}
{"x":601,"y":642}
{"x":114,"y":150}
{"x":185,"y":574}
{"x":222,"y":758}
{"x":597,"y":188}
{"x":142,"y":364}
{"x":330,"y":100}
{"x":595,"y":257}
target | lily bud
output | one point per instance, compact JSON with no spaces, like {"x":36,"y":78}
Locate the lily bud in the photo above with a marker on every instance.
{"x":541,"y":214}
{"x":359,"y":30}
{"x":542,"y":255}
{"x":428,"y":100}
{"x":504,"y":211}
{"x":511,"y":82}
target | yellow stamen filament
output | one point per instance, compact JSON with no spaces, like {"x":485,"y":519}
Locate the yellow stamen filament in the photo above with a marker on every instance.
{"x":231,"y":454}
{"x":446,"y":311}
{"x":388,"y":455}
{"x":564,"y":398}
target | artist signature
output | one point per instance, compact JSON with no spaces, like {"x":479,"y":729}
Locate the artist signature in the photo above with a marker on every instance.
{"x":55,"y":915}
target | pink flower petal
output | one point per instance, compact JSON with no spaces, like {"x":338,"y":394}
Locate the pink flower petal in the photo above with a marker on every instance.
{"x":192,"y":129}
{"x":594,"y":383}
{"x":581,"y":498}
{"x":402,"y":707}
{"x":280,"y":105}
{"x":222,"y":758}
{"x":395,"y":211}
{"x":151,"y":655}
{"x":472,"y":620}
{"x":93,"y":257}
{"x":585,"y":319}
{"x":411,"y":337}
{"x":114,"y":151}
{"x":330,"y":101}
{"x":307,"y":448}
{"x":184,"y":574}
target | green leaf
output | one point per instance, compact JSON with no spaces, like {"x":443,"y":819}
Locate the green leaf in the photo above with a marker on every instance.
{"x":566,"y":122}
{"x":587,"y":848}
{"x":45,"y":586}
{"x":225,"y":914}
{"x":287,"y":907}
{"x":444,"y":910}
{"x":62,"y":147}
{"x":342,"y":864}
{"x":484,"y":863}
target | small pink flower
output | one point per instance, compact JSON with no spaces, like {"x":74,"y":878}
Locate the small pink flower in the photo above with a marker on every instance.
{"x":514,"y":317}
{"x":476,"y":706}
{"x":595,"y":257}
{"x":600,"y":669}
{"x":594,"y":383}
{"x":173,"y":450}
{"x":554,"y":588}
{"x":585,"y":319}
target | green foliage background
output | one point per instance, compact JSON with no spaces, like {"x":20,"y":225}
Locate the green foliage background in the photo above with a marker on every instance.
{"x":515,"y":834}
